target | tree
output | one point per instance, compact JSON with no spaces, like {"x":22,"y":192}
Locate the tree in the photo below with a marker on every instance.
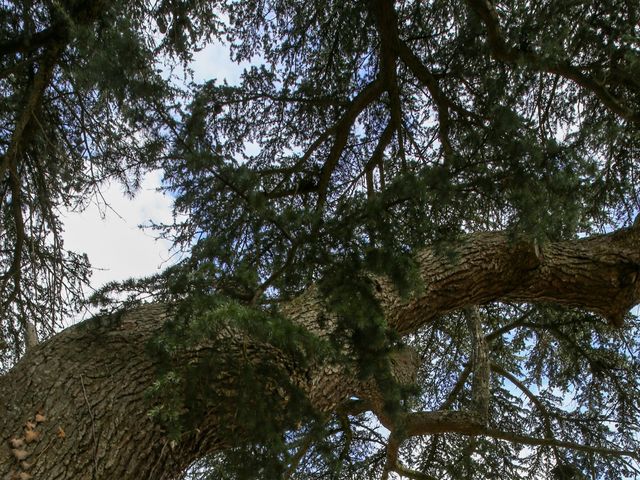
{"x":395,"y":225}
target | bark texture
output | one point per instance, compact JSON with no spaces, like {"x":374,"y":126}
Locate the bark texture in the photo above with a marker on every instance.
{"x":74,"y":407}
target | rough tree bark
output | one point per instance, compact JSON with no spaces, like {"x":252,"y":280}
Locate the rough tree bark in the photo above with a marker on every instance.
{"x":79,"y":398}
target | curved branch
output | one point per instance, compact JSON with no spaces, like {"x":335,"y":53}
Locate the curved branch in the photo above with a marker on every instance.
{"x":342,"y":130}
{"x":550,"y":442}
{"x":548,"y":433}
{"x":392,"y":450}
{"x":600,"y":274}
{"x":467,"y":423}
{"x":443,"y":104}
{"x":393,"y":464}
{"x":414,"y":475}
{"x":462,"y":379}
{"x":501,"y":51}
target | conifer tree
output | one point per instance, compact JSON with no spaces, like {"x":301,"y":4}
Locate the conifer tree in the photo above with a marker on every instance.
{"x":409,"y":236}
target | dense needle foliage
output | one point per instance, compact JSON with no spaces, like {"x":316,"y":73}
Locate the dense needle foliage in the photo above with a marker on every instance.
{"x":364,"y":130}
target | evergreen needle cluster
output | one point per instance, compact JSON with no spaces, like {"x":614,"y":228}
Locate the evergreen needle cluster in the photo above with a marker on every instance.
{"x":336,"y":208}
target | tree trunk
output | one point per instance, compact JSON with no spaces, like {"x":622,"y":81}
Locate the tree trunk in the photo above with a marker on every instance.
{"x":78,"y":403}
{"x":89,"y":384}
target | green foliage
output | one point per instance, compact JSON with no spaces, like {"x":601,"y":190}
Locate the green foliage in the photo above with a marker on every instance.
{"x":344,"y":148}
{"x":84,"y":103}
{"x":581,"y":372}
{"x":239,"y":367}
{"x":351,"y":298}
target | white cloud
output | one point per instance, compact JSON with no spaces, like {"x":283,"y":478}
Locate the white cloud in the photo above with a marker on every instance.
{"x":117,"y":248}
{"x":213,"y":62}
{"x":110,"y":235}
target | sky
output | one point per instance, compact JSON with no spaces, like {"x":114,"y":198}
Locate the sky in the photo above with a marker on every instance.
{"x":117,"y":247}
{"x":111,"y":236}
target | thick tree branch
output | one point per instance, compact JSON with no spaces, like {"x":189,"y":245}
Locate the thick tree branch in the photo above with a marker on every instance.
{"x":599,"y":274}
{"x":595,"y":273}
{"x":550,"y":442}
{"x":467,"y":423}
{"x":414,"y":475}
{"x":471,"y":424}
{"x":392,"y":450}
